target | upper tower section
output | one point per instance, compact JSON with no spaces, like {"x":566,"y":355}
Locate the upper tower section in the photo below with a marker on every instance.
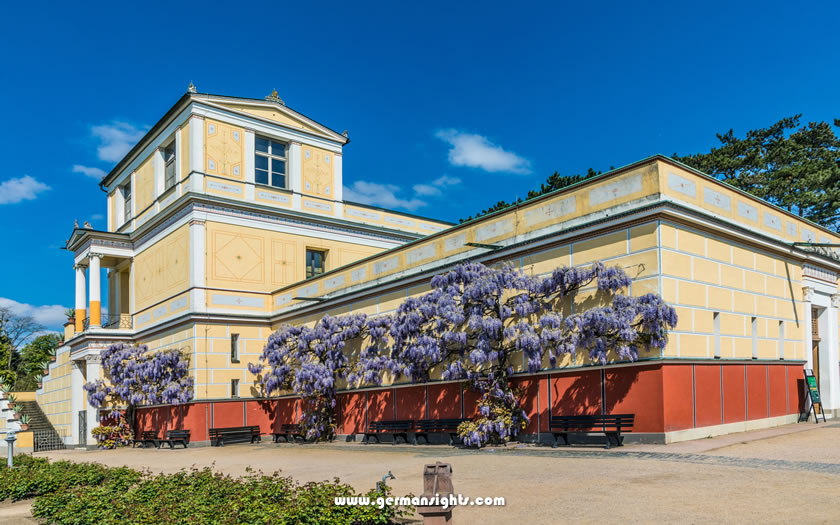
{"x":257,"y":152}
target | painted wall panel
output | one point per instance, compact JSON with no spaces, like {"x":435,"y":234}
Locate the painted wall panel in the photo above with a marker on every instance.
{"x":352,"y":417}
{"x":636,"y":390}
{"x":734,"y":393}
{"x":263,"y":413}
{"x":578,"y":393}
{"x":380,"y":405}
{"x":777,"y":393}
{"x":678,"y":397}
{"x":228,"y":414}
{"x":757,"y":378}
{"x":708,"y":395}
{"x":444,"y":401}
{"x":411,"y":402}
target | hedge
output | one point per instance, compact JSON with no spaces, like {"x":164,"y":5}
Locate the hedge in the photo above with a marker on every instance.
{"x":83,"y":493}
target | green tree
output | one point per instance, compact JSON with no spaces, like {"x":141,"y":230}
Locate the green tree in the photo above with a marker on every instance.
{"x":32,"y":357}
{"x":794,"y":167}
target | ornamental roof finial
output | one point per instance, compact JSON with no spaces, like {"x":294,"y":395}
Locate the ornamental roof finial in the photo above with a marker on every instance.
{"x":191,"y":88}
{"x":274,"y":97}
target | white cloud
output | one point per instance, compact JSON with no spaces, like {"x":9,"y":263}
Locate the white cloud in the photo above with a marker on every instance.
{"x":93,"y":173}
{"x":51,"y":316}
{"x":21,"y":189}
{"x":380,"y":195}
{"x":476,"y":151}
{"x":434,"y":189}
{"x":115,"y":139}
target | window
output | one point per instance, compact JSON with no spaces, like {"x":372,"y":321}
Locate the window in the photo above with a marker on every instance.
{"x":754,"y":338}
{"x":234,"y":388}
{"x":234,"y":348}
{"x":169,"y":165}
{"x":269,"y":162}
{"x":315,"y":260}
{"x":126,"y":193}
{"x":716,"y":318}
{"x":781,"y":339}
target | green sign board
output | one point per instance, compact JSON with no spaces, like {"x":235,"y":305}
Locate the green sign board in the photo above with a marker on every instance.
{"x":812,"y":389}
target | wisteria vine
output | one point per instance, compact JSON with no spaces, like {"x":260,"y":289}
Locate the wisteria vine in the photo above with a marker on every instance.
{"x":309,"y":362}
{"x":136,"y":375}
{"x":474,"y":325}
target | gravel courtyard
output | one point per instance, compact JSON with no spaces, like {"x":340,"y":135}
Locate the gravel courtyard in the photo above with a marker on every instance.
{"x":770,"y":476}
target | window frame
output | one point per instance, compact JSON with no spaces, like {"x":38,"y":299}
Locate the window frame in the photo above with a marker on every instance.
{"x":127,"y":201}
{"x":169,"y":163}
{"x":323,"y":262}
{"x":234,"y":388}
{"x":234,"y":348}
{"x":269,"y":156}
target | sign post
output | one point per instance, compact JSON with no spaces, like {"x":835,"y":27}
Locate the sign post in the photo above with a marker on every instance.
{"x":814,"y":394}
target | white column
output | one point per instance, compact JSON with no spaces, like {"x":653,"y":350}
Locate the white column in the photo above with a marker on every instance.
{"x":295,"y":173}
{"x":77,"y":397}
{"x":338,"y":188}
{"x":830,"y":382}
{"x":95,"y":291}
{"x":807,"y":297}
{"x":93,"y":374}
{"x":198,"y":301}
{"x":248,"y":165}
{"x":81,"y":303}
{"x":197,"y":153}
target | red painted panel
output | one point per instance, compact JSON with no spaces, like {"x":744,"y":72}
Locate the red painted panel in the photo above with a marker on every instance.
{"x":381,"y":405}
{"x":288,"y":410}
{"x":352,"y":417}
{"x":707,"y":395}
{"x":778,"y":390}
{"x":227,"y":414}
{"x":444,"y":401}
{"x":636,"y":390}
{"x":734,"y":396}
{"x":796,"y":389}
{"x":192,"y":417}
{"x":757,"y":391}
{"x":411,"y":402}
{"x":263,"y":413}
{"x":576,"y":393}
{"x":471,"y":402}
{"x":545,"y":386}
{"x":148,"y":419}
{"x":528,"y":390}
{"x":678,"y":397}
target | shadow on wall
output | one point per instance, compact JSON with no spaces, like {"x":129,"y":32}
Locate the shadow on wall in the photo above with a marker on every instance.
{"x":585,"y":394}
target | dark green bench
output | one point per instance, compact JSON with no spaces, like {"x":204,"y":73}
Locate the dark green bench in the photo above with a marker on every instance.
{"x":398,"y":429}
{"x":221,"y":436}
{"x":611,"y":425}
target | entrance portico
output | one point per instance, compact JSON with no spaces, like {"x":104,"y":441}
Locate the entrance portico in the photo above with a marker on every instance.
{"x":822,"y":312}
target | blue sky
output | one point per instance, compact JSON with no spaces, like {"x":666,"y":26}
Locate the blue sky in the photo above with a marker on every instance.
{"x":450,"y":106}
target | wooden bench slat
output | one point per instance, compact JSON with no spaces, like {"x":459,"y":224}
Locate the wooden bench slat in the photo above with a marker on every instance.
{"x":611,"y":425}
{"x":220,"y":435}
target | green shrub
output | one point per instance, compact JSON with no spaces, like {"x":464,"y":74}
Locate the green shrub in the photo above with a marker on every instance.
{"x":82,"y":493}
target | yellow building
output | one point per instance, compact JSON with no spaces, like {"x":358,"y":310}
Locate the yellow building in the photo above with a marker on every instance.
{"x":227,"y":219}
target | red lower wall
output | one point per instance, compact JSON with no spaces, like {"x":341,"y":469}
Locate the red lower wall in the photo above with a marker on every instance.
{"x":665,"y":397}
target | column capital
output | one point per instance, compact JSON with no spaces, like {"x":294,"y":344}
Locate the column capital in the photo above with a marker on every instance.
{"x":80,"y":266}
{"x":97,"y":255}
{"x":197,"y":222}
{"x":197,"y":117}
{"x":807,"y":294}
{"x":251,"y":131}
{"x":835,"y":300}
{"x":294,"y":143}
{"x":93,"y":359}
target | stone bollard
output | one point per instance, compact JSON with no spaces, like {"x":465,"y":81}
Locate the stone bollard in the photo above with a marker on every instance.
{"x":437,"y":481}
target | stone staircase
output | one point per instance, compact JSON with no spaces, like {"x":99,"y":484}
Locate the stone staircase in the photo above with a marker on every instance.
{"x":46,"y":437}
